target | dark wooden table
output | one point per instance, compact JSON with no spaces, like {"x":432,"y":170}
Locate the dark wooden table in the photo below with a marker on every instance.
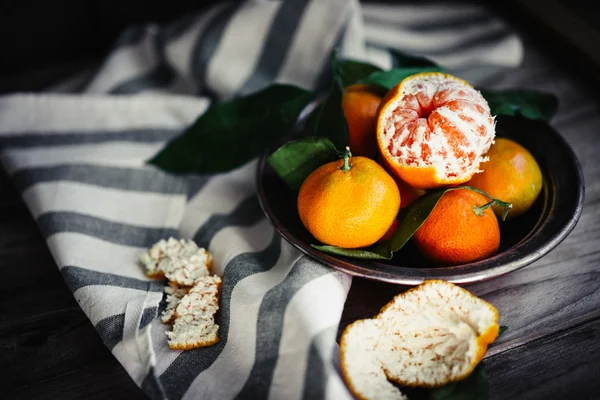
{"x":48,"y":348}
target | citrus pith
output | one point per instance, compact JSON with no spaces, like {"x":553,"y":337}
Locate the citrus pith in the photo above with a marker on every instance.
{"x":433,"y":130}
{"x":428,"y":336}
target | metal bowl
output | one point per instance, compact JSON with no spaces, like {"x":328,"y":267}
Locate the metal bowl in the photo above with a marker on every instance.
{"x":523,"y":240}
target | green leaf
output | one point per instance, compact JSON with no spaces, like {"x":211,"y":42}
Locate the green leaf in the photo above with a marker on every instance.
{"x":403,"y":65}
{"x":231,"y":133}
{"x":354,"y":253}
{"x":401,"y":60}
{"x":328,"y":119}
{"x":473,"y":387}
{"x":389,"y":79}
{"x":411,"y":218}
{"x":295,"y":160}
{"x":528,"y":103}
{"x":502,"y":329}
{"x":351,"y":71}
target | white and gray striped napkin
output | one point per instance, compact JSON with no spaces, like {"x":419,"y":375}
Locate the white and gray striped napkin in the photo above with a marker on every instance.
{"x":78,"y":157}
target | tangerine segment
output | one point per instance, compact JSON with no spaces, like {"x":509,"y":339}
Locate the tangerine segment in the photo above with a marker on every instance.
{"x":433,"y":130}
{"x":349,"y":208}
{"x":428,"y":336}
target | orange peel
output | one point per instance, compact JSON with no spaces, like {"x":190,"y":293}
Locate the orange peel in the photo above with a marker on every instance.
{"x":433,"y":130}
{"x":428,"y":336}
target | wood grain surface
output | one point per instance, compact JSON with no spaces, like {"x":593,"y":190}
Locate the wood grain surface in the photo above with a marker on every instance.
{"x":561,"y":366}
{"x":48,"y":348}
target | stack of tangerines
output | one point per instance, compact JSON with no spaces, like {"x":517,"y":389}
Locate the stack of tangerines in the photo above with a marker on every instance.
{"x":430,"y":131}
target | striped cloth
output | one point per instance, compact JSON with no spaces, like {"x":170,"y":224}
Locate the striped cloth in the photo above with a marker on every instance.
{"x":78,"y":157}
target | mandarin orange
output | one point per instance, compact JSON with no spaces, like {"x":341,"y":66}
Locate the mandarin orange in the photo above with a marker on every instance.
{"x":348,"y":203}
{"x":511,"y":174}
{"x":433,"y":130}
{"x":360,"y":104}
{"x":454,"y":234}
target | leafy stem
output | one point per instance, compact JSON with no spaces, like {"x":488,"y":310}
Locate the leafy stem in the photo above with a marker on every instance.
{"x":478,"y":210}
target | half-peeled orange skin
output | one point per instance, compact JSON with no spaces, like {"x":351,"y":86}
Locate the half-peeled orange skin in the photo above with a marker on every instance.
{"x":428,"y":336}
{"x":454,"y":234}
{"x":433,"y":130}
{"x":360,"y":104}
{"x":348,"y":209}
{"x":511,"y":174}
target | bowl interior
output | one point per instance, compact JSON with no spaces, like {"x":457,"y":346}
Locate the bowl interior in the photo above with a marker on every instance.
{"x":523,"y":239}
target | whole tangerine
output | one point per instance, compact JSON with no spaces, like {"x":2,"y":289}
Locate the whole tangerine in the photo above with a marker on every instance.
{"x":511,"y":174}
{"x":360,"y":104}
{"x":433,"y":130}
{"x":348,"y":203}
{"x":454,"y":233}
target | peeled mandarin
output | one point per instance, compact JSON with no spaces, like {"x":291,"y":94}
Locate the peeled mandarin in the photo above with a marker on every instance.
{"x":433,"y":130}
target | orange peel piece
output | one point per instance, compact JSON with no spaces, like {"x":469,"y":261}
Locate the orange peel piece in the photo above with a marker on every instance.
{"x":428,"y":336}
{"x":433,"y":130}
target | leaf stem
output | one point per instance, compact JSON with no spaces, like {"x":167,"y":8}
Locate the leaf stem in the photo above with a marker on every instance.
{"x":347,"y":155}
{"x":478,"y":210}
